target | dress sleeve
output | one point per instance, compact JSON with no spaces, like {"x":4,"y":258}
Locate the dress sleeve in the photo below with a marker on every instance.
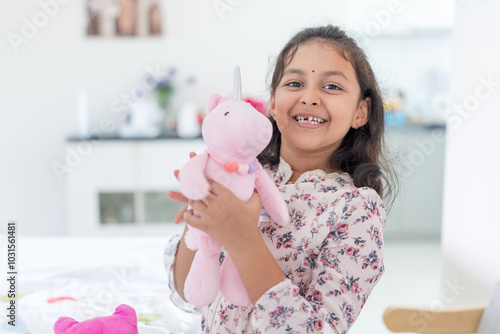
{"x":168,"y":260}
{"x":345,"y":269}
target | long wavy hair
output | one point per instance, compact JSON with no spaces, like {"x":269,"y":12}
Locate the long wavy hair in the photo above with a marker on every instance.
{"x":362,"y":152}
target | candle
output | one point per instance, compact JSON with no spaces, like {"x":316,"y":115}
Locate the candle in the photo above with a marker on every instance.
{"x":83,"y":114}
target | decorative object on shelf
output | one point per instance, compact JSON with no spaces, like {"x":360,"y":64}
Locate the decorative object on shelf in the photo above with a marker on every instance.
{"x":235,"y":133}
{"x":124,"y":18}
{"x":394,"y":107}
{"x":164,"y":90}
{"x":83,"y":115}
{"x":188,"y":121}
{"x":153,"y":112}
{"x":166,"y":84}
{"x":145,"y":120}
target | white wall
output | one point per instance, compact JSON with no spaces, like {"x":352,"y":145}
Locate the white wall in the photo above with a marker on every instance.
{"x":39,"y":83}
{"x":471,"y":224}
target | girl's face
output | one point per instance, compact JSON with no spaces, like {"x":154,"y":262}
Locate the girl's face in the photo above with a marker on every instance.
{"x":317,"y":101}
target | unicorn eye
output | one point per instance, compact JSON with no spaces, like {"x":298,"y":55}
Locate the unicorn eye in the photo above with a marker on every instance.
{"x":226,"y":113}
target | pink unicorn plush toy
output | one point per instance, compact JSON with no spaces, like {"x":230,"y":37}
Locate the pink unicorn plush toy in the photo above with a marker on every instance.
{"x":235,"y":133}
{"x":123,"y":321}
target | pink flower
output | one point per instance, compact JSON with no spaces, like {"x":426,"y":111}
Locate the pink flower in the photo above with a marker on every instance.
{"x":343,"y":288}
{"x":350,"y":250}
{"x":293,"y":199}
{"x":344,"y":227}
{"x":362,"y":245}
{"x":305,"y":197}
{"x":319,"y":211}
{"x":374,"y":265}
{"x":318,"y":325}
{"x":355,"y":288}
{"x":317,"y":295}
{"x":369,"y":214}
{"x":288,"y":244}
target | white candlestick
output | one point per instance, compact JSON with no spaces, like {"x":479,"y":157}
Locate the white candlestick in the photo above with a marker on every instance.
{"x":83,"y":115}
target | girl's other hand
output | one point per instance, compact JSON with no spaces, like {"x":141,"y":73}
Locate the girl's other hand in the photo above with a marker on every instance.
{"x":178,"y":196}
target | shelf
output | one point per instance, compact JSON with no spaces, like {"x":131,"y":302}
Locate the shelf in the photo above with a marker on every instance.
{"x":417,"y":33}
{"x":118,"y":138}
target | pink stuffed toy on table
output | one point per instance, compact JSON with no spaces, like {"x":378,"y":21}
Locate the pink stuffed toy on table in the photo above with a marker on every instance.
{"x":235,"y":133}
{"x":123,"y":321}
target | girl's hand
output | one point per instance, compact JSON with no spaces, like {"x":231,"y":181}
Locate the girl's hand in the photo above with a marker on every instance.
{"x":229,"y":220}
{"x":178,"y":196}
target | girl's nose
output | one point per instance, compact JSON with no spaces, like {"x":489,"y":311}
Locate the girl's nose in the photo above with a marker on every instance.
{"x":310,"y":97}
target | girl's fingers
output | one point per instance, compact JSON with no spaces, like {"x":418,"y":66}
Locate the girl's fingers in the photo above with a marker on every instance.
{"x":177,"y":196}
{"x":215,"y":187}
{"x":180,"y":215}
{"x":191,"y":219}
{"x":198,"y":206}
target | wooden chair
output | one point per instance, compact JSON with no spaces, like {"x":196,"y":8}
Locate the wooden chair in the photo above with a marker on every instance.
{"x":480,"y":320}
{"x":424,"y":321}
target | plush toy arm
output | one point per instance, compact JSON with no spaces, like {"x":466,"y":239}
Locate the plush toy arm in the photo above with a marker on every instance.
{"x":271,"y":198}
{"x":193,"y":183}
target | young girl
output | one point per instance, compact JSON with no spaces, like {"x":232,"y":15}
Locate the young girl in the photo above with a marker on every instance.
{"x":315,"y":274}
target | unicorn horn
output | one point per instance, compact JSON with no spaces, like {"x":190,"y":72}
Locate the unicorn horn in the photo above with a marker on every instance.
{"x":237,"y":84}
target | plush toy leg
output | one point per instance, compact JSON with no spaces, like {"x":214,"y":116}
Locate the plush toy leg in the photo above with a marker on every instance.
{"x":203,"y":280}
{"x":232,"y":286}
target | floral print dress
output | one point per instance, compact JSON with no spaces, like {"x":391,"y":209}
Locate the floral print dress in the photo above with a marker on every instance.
{"x":331,"y":252}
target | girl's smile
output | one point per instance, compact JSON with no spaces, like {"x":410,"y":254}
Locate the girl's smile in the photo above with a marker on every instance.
{"x":314,"y":110}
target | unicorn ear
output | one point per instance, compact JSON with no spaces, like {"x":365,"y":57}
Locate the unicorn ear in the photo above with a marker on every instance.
{"x":213,"y":101}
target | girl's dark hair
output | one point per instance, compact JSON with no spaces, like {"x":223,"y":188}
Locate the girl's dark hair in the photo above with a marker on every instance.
{"x":362,"y":152}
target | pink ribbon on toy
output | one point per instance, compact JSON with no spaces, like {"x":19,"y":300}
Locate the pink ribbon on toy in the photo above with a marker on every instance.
{"x":233,"y":166}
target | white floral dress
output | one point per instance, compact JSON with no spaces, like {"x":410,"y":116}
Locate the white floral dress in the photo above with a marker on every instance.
{"x":331,"y":252}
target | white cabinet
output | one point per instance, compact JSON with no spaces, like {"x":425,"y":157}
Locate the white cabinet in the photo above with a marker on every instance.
{"x":120,"y":187}
{"x":417,"y":154}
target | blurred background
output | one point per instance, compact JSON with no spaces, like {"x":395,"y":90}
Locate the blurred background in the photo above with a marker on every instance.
{"x":101,"y":100}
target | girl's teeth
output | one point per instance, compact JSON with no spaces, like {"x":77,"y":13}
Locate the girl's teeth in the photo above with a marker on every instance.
{"x":310,"y":120}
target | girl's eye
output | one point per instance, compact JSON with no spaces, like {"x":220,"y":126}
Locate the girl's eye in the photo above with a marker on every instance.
{"x":333,"y":87}
{"x":294,"y":84}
